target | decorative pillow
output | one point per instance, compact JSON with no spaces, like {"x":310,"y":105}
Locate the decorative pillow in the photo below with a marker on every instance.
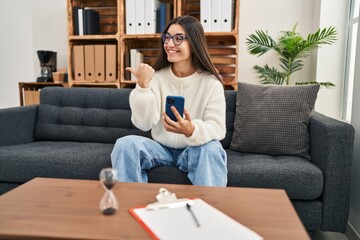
{"x":273,"y":120}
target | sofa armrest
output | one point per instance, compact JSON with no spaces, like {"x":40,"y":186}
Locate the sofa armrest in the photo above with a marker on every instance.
{"x":331,"y":149}
{"x":17,"y":125}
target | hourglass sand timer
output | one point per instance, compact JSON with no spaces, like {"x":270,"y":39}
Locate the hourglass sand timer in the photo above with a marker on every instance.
{"x":108,"y":203}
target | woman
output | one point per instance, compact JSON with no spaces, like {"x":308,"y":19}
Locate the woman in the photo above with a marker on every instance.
{"x":191,"y":143}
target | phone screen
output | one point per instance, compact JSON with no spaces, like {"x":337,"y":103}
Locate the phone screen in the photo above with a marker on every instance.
{"x":176,"y":101}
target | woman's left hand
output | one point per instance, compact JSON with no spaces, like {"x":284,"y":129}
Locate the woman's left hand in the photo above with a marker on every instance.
{"x":182,"y":126}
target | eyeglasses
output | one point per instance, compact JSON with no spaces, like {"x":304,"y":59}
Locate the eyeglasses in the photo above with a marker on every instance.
{"x":177,"y":38}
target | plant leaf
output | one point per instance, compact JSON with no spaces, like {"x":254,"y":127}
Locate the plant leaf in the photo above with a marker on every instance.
{"x":323,"y":84}
{"x":291,"y":67}
{"x":259,"y":43}
{"x":270,"y":75}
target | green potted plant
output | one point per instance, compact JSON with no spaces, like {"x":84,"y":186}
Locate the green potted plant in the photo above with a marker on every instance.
{"x":291,"y":48}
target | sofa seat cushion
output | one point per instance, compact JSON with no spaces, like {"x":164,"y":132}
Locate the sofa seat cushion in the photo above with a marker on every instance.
{"x":167,"y":174}
{"x":301,"y":179}
{"x":77,"y":160}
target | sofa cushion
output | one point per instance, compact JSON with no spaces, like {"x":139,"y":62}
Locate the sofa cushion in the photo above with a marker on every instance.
{"x":84,"y":115}
{"x":21,"y":163}
{"x":273,"y":119}
{"x":301,"y":179}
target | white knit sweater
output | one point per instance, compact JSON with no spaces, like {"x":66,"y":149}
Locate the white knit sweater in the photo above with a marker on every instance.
{"x":204,"y":100}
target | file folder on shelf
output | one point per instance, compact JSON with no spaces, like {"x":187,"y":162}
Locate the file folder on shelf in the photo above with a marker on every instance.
{"x":227,"y":10}
{"x":162,"y":16}
{"x":99,"y":63}
{"x":91,"y":22}
{"x":205,"y":14}
{"x":150,"y":16}
{"x":136,"y":58}
{"x":139,"y":16}
{"x":76,"y":20}
{"x":110,"y":62}
{"x":215,"y":15}
{"x":89,"y":62}
{"x":78,"y":61}
{"x":130,"y":16}
{"x":81,"y":21}
{"x":188,"y":219}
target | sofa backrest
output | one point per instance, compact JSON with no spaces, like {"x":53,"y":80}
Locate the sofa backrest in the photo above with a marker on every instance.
{"x":84,"y":115}
{"x":96,"y":115}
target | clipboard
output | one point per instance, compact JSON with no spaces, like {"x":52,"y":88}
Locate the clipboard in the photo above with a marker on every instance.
{"x":188,"y":218}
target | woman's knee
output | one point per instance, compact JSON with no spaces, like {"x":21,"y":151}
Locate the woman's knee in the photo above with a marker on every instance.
{"x":213,"y":148}
{"x":126,"y":142}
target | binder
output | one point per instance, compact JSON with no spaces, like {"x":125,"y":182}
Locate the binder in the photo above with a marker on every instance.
{"x":162,"y":16}
{"x":168,"y":13}
{"x":91,"y":22}
{"x":227,"y":12}
{"x":76,"y":20}
{"x":130,"y":16}
{"x":99,"y":63}
{"x":188,"y":219}
{"x":205,"y":14}
{"x":215,"y":15}
{"x":89,"y":62}
{"x":78,"y":61}
{"x":150,"y":16}
{"x":136,"y":58}
{"x":110,"y":62}
{"x":139,"y":16}
{"x":127,"y":74}
{"x":81,"y":21}
{"x":133,"y":62}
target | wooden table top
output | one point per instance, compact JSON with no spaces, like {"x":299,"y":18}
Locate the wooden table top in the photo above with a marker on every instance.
{"x":69,"y":209}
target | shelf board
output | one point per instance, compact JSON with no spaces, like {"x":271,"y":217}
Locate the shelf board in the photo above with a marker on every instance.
{"x":94,"y":37}
{"x":141,"y":36}
{"x":128,"y":82}
{"x":220,"y":34}
{"x":94,"y":84}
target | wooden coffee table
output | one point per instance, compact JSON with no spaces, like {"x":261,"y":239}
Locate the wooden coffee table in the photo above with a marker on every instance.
{"x":69,"y":209}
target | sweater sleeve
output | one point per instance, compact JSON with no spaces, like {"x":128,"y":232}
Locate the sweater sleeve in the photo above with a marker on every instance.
{"x":144,"y":106}
{"x":213,"y":125}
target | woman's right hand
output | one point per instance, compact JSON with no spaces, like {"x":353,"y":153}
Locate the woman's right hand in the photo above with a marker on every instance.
{"x":143,"y":74}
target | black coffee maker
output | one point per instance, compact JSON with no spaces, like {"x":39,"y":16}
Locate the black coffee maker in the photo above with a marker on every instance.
{"x":47,"y":65}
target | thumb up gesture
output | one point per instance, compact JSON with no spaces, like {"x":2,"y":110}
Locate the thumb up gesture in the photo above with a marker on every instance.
{"x":143,"y":74}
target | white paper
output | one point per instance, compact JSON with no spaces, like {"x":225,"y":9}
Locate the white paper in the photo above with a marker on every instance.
{"x":178,"y":223}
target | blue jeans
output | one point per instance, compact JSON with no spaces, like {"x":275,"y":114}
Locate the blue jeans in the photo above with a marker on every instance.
{"x":205,"y":164}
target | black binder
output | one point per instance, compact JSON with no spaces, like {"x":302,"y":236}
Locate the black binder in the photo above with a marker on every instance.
{"x":91,"y":22}
{"x":76,"y":20}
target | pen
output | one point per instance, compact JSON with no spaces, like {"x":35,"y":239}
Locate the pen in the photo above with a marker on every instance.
{"x":188,"y":207}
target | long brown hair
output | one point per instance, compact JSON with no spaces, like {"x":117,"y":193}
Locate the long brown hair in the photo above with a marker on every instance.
{"x":196,"y":37}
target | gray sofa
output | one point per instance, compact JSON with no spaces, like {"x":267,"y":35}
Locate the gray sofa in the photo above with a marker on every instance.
{"x":72,"y":132}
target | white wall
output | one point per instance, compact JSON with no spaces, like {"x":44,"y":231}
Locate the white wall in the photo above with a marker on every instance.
{"x":310,"y":15}
{"x":28,"y":26}
{"x":16,"y":50}
{"x":50,"y":30}
{"x":284,"y":14}
{"x":331,"y":59}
